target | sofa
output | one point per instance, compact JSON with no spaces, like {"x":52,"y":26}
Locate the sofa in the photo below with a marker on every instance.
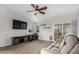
{"x":69,"y":45}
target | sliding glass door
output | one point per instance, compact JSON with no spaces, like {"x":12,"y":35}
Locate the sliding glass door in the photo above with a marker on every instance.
{"x":60,"y":30}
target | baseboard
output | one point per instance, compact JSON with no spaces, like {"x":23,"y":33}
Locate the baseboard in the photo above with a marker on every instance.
{"x":5,"y":47}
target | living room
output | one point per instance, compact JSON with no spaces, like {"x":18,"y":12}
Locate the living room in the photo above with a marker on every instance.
{"x":38,"y":28}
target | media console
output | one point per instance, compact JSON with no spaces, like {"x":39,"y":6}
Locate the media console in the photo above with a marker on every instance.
{"x":26,"y":38}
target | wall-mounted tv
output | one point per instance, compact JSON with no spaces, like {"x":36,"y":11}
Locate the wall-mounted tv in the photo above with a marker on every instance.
{"x":17,"y":24}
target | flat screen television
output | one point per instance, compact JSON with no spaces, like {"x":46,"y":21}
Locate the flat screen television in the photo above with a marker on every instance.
{"x":19,"y":24}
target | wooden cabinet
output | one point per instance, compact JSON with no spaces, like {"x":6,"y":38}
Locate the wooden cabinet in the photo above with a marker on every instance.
{"x":20,"y":39}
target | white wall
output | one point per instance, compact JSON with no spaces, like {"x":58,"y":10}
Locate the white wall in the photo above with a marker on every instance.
{"x":78,"y":23}
{"x":74,"y":26}
{"x":6,"y":31}
{"x":44,"y":34}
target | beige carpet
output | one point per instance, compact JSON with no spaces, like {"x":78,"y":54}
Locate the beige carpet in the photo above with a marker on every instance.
{"x":33,"y":47}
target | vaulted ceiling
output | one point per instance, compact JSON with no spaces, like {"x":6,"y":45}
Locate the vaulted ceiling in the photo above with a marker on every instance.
{"x":52,"y":11}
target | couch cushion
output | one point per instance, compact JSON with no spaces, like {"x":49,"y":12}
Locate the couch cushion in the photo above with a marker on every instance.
{"x":70,"y":42}
{"x":52,"y":45}
{"x":57,"y":45}
{"x":51,"y":49}
{"x":75,"y":50}
{"x":48,"y":51}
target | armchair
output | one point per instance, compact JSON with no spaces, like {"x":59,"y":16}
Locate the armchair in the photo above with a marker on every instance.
{"x":69,"y":45}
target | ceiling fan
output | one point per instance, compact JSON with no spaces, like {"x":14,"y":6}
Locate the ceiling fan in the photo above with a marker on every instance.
{"x":43,"y":24}
{"x":36,"y":8}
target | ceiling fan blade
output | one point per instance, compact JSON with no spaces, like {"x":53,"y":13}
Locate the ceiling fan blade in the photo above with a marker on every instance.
{"x":43,"y":8}
{"x":33,"y":5}
{"x":43,"y":24}
{"x":41,"y":12}
{"x":30,"y":10}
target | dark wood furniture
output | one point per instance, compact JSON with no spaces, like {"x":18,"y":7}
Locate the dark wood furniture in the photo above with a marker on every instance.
{"x":18,"y":39}
{"x":26,"y":38}
{"x":33,"y":37}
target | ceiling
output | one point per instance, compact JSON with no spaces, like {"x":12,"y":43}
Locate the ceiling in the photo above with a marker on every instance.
{"x":52,"y":11}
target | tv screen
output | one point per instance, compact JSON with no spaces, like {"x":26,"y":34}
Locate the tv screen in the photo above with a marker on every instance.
{"x":19,"y":24}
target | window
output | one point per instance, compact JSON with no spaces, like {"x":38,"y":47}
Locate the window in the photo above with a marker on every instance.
{"x":60,"y":30}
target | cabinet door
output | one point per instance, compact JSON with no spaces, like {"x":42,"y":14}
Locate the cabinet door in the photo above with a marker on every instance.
{"x":15,"y":41}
